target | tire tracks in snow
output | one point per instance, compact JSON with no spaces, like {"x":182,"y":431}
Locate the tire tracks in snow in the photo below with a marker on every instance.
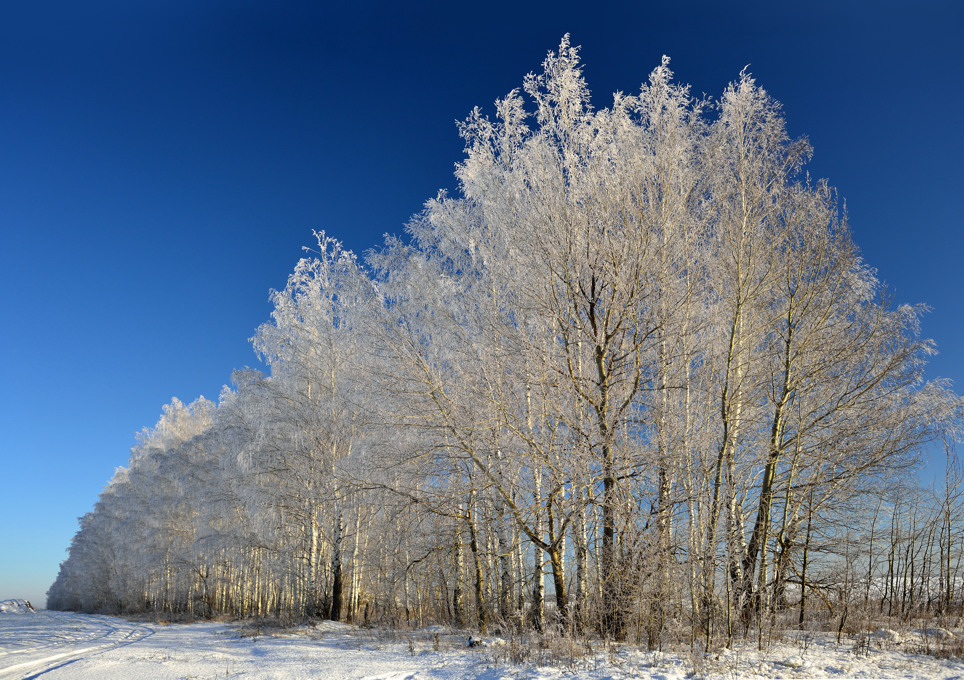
{"x":47,"y":655}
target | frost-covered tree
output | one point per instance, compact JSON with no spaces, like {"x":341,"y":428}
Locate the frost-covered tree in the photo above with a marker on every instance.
{"x":632,"y":377}
{"x":315,"y":347}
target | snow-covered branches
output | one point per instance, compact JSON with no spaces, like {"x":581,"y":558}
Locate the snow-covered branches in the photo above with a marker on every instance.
{"x":639,"y":349}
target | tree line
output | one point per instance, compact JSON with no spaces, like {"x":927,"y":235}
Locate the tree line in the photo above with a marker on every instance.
{"x":633,"y":380}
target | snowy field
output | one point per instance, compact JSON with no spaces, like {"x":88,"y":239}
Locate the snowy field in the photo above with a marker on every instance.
{"x":58,"y":646}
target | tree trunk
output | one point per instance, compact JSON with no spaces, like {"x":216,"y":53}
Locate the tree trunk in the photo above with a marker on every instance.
{"x":480,"y":607}
{"x":338,"y":580}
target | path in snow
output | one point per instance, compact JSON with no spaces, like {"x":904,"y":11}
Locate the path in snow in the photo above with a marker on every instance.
{"x":33,"y":644}
{"x":64,"y":646}
{"x":58,"y":646}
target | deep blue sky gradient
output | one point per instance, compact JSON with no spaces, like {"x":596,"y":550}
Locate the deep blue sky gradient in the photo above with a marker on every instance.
{"x":163,"y":162}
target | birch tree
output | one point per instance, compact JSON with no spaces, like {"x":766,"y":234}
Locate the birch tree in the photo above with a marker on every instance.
{"x":633,"y":371}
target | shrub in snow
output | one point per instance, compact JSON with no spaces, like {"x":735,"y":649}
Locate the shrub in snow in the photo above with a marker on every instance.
{"x":793,"y":662}
{"x":16,"y":607}
{"x":887,"y":635}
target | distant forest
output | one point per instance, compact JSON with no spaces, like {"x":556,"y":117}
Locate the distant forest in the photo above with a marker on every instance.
{"x":634,"y":380}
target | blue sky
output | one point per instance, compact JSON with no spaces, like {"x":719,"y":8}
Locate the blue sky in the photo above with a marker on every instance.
{"x":163,"y":163}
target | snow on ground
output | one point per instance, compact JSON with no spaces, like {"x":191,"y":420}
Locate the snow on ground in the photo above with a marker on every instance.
{"x":15,"y":607}
{"x":59,"y":645}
